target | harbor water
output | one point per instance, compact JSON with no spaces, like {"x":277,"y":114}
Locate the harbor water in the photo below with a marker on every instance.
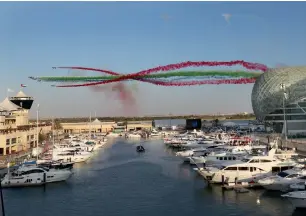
{"x":120,"y":181}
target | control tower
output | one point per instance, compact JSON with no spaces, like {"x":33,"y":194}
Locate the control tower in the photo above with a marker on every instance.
{"x":22,"y":100}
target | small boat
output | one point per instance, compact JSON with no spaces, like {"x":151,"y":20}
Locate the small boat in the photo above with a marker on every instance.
{"x":140,"y":148}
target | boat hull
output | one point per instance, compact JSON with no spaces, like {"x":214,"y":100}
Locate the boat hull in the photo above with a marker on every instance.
{"x":297,"y":202}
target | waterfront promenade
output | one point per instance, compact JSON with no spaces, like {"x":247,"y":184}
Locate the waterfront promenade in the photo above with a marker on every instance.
{"x":299,"y":144}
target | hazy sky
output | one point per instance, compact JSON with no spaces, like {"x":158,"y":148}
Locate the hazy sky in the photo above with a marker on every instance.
{"x":128,"y":37}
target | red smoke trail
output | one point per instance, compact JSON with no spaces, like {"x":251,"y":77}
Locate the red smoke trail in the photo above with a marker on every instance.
{"x":138,"y":76}
{"x":119,"y":91}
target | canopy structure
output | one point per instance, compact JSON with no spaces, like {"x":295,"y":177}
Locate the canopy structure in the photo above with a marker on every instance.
{"x":21,"y":94}
{"x":7,"y":105}
{"x":96,"y":122}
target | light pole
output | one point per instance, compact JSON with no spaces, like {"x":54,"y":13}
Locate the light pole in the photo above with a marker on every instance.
{"x":283,"y":87}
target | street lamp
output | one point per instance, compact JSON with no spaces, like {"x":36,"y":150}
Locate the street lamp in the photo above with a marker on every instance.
{"x":285,"y":96}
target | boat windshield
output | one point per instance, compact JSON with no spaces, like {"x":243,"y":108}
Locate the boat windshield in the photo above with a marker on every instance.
{"x":245,"y":160}
{"x":282,"y":174}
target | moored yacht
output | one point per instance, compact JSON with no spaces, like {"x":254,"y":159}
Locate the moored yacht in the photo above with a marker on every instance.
{"x":249,"y":169}
{"x":34,"y":176}
{"x":72,"y":156}
{"x":283,"y":180}
{"x":297,"y":198}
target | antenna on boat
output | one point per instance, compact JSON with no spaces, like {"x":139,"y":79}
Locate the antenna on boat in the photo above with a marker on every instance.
{"x":2,"y":203}
{"x":2,"y":212}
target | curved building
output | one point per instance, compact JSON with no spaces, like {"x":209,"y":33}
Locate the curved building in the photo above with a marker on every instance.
{"x":278,"y":88}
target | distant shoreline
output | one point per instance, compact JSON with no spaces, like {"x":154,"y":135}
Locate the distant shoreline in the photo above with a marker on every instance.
{"x":151,"y":118}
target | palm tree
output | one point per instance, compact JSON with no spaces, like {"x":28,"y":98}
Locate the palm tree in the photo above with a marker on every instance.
{"x":216,"y":122}
{"x":57,"y":126}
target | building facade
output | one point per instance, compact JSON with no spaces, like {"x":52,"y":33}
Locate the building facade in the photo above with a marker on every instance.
{"x":97,"y":126}
{"x":279,"y":98}
{"x":16,"y":133}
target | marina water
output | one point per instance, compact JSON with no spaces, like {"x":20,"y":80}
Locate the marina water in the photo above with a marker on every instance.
{"x":120,"y":181}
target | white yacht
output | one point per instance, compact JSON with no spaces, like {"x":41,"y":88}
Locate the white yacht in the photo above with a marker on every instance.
{"x":71,"y":156}
{"x":34,"y":176}
{"x":185,"y":155}
{"x":113,"y":135}
{"x":283,"y":180}
{"x":297,"y":198}
{"x":298,"y":186}
{"x":133,"y":135}
{"x":155,"y":134}
{"x":223,"y":154}
{"x":249,"y":169}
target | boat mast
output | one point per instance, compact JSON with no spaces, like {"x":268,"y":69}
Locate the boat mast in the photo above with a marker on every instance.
{"x":95,"y":127}
{"x":37,"y":132}
{"x":90,"y":125}
{"x":53,"y":138}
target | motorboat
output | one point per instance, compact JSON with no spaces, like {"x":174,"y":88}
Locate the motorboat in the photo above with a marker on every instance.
{"x":34,"y":176}
{"x":140,"y":148}
{"x":283,"y":180}
{"x":297,"y":198}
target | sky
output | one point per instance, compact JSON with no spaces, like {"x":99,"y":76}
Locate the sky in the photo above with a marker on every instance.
{"x":129,"y":37}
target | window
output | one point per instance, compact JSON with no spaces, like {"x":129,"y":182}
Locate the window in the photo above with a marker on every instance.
{"x":302,"y":177}
{"x":245,"y":160}
{"x":297,"y":110}
{"x":8,"y":141}
{"x":225,"y":158}
{"x":253,"y":169}
{"x":229,"y":158}
{"x":254,"y":161}
{"x":32,"y":171}
{"x":265,"y":161}
{"x":297,"y":117}
{"x":292,"y":176}
{"x":231,"y":168}
{"x":14,"y":140}
{"x":243,"y":168}
{"x":275,"y":118}
{"x":279,"y":111}
{"x":282,"y":174}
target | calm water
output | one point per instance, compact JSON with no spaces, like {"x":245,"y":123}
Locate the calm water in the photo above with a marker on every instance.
{"x":119,"y":181}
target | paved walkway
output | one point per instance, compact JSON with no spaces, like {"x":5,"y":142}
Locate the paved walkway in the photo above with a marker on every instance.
{"x":299,"y":144}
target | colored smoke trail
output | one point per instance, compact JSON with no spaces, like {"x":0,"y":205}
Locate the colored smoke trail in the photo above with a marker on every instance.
{"x":121,"y":92}
{"x":139,"y":75}
{"x":148,"y":75}
{"x":184,"y":74}
{"x":167,"y":77}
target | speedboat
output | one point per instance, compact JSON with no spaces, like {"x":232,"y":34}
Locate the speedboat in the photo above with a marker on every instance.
{"x":283,"y":180}
{"x":297,"y":198}
{"x":140,"y":148}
